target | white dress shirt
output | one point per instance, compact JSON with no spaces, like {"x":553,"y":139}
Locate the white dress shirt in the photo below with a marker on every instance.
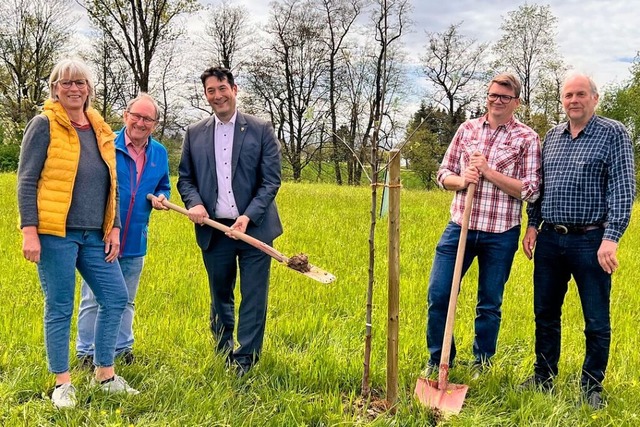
{"x":223,"y":145}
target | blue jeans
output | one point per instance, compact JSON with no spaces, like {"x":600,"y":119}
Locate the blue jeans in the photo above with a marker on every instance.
{"x":495,"y":253}
{"x":59,"y":259}
{"x":131,"y":268}
{"x":557,"y":258}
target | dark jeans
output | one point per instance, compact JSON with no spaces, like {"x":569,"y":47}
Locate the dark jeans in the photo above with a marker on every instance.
{"x":495,"y":253}
{"x":557,"y":258}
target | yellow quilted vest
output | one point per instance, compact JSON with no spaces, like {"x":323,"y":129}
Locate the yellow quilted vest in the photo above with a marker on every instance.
{"x":55,"y":186}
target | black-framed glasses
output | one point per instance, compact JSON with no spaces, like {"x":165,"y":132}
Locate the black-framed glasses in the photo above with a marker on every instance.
{"x":493,"y":97}
{"x":80,"y":84}
{"x":145,"y":119}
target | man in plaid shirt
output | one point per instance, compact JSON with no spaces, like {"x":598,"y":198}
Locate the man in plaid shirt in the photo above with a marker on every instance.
{"x":502,"y":157}
{"x":575,"y":227}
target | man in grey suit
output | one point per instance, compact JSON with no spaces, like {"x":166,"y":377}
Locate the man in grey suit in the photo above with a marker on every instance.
{"x":230,"y":171}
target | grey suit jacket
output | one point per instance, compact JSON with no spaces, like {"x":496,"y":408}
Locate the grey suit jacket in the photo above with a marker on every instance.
{"x":256,"y":169}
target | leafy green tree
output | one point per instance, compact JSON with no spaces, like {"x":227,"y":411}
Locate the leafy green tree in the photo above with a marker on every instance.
{"x":622,"y":103}
{"x":540,"y":123}
{"x":549,"y":111}
{"x":427,"y":142}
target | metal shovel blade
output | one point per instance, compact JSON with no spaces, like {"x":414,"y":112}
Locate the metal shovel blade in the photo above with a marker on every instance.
{"x":316,"y":274}
{"x":448,"y":400}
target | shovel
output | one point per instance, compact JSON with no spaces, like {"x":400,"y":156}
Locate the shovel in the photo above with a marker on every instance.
{"x":296,"y":263}
{"x":441,"y":394}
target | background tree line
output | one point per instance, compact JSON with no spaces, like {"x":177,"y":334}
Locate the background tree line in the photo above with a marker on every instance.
{"x":319,"y":70}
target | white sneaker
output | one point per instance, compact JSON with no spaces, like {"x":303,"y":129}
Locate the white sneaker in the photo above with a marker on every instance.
{"x":64,"y":396}
{"x":430,"y":371}
{"x":118,"y":385}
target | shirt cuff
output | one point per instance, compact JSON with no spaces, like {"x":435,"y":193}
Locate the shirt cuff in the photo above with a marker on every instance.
{"x":611,"y":234}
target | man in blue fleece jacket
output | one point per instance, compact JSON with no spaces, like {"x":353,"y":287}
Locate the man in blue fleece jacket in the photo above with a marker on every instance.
{"x":143,"y":167}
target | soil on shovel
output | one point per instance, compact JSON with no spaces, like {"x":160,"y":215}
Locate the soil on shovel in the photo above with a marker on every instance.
{"x":299,"y":263}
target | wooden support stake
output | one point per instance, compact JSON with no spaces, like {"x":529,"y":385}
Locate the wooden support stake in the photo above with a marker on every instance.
{"x":393,"y":259}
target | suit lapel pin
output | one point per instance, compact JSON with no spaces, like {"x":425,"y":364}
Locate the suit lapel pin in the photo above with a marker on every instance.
{"x":242,"y":129}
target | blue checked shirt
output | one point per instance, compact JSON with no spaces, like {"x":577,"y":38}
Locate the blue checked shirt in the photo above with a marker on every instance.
{"x":587,"y":180}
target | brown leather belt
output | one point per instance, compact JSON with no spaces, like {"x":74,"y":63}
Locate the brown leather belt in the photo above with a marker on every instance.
{"x":571,"y":229}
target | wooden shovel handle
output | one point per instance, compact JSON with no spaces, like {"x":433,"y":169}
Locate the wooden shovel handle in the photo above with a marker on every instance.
{"x":455,"y":288}
{"x":272,"y":252}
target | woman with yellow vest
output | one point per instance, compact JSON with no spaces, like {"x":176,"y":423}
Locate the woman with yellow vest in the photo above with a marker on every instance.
{"x":67,"y":196}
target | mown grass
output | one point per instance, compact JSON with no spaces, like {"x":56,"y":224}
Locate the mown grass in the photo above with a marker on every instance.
{"x":311,"y":368}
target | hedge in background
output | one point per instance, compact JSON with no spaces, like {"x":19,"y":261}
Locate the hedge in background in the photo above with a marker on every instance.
{"x":9,"y":155}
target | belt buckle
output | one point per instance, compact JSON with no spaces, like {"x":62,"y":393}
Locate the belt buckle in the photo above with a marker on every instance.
{"x":561,"y":229}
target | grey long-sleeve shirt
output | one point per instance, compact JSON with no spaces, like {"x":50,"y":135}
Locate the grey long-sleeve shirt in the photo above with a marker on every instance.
{"x":91,"y":187}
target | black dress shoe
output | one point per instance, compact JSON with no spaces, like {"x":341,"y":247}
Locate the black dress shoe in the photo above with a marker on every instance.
{"x":534,"y":382}
{"x":240,"y":369}
{"x":594,"y":399}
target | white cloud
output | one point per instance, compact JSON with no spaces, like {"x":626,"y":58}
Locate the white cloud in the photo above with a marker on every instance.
{"x":598,"y":37}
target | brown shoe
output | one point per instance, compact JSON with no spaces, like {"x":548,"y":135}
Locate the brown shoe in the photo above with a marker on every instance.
{"x":126,"y":357}
{"x":85,"y":361}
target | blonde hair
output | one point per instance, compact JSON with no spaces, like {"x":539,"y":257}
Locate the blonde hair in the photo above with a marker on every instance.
{"x":72,"y":69}
{"x":509,"y":80}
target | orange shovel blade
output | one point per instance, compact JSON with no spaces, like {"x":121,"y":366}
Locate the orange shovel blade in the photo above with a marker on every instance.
{"x":447,"y":400}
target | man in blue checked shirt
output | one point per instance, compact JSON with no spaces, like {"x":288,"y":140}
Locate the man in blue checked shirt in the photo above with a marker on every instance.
{"x":575,"y":226}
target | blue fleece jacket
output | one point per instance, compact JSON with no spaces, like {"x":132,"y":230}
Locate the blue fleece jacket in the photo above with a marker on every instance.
{"x":135,"y":209}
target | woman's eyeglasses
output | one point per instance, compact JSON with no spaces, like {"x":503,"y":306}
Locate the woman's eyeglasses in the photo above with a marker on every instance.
{"x":80,"y":84}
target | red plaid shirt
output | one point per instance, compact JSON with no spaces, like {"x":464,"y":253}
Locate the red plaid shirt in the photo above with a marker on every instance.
{"x":513,"y":149}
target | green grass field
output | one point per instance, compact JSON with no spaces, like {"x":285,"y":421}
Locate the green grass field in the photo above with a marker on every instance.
{"x":311,"y":368}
